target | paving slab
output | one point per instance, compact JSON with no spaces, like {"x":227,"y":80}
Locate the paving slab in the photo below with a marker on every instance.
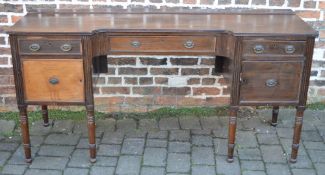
{"x":178,"y":162}
{"x":62,"y":139}
{"x":155,"y":157}
{"x":14,"y":169}
{"x":128,"y":165}
{"x":7,"y":126}
{"x":169,"y":123}
{"x":56,"y":163}
{"x":189,"y":123}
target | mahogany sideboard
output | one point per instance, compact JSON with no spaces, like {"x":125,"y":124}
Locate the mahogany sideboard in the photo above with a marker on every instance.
{"x":268,"y":55}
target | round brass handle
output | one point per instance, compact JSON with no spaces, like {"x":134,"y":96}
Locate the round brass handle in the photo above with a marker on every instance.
{"x":54,"y":81}
{"x":34,"y":47}
{"x":66,"y":47}
{"x":189,"y":44}
{"x":271,"y":82}
{"x":135,"y":44}
{"x":259,"y":49}
{"x":289,"y":49}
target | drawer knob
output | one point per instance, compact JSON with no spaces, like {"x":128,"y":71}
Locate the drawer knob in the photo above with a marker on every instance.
{"x":289,"y":49}
{"x":34,"y":47}
{"x":189,"y":44}
{"x":271,"y":82}
{"x":66,"y":47}
{"x":258,"y":49}
{"x":54,"y":81}
{"x":135,"y":44}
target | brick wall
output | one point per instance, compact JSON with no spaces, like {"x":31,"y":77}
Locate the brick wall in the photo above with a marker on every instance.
{"x":142,"y":83}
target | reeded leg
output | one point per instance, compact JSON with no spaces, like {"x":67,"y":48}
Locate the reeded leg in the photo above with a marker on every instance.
{"x":25,"y":132}
{"x":45,"y":115}
{"x":232,"y":133}
{"x":297,"y":133}
{"x":91,"y":132}
{"x":275,"y":113}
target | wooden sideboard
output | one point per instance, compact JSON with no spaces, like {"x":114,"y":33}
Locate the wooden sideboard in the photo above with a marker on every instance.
{"x":269,"y":55}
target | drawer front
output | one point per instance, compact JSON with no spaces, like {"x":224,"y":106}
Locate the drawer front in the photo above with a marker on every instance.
{"x":182,"y":44}
{"x":55,"y":80}
{"x":265,"y":47}
{"x":46,"y":47}
{"x":274,"y":81}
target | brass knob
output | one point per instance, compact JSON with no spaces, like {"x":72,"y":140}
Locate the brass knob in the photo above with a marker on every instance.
{"x":258,"y":49}
{"x":189,"y":44}
{"x":34,"y":47}
{"x":135,"y":44}
{"x":54,"y":81}
{"x":66,"y":47}
{"x":289,"y":49}
{"x":271,"y":82}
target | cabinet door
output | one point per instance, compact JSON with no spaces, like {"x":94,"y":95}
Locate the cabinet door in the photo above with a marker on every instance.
{"x":270,"y":82}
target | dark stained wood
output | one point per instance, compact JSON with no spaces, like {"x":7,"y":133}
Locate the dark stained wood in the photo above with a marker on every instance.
{"x":275,"y":113}
{"x":232,"y":132}
{"x":45,"y":115}
{"x":297,"y":133}
{"x":25,"y":132}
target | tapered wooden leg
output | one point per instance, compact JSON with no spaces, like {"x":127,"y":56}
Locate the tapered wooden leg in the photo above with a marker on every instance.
{"x":297,"y":133}
{"x":275,"y":113}
{"x":232,"y":133}
{"x":91,"y":133}
{"x":45,"y":116}
{"x":25,"y":132}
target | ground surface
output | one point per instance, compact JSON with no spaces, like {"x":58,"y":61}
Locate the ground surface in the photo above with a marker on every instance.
{"x":172,"y":146}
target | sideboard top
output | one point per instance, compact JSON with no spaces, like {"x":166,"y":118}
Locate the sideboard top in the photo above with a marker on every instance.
{"x":236,"y":21}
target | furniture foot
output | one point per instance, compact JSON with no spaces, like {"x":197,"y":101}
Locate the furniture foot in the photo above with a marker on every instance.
{"x":25,"y":132}
{"x":91,"y":132}
{"x":232,"y":133}
{"x":275,"y":113}
{"x":297,"y":133}
{"x":45,"y":116}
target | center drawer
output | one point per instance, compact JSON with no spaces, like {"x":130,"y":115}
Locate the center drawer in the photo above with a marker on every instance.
{"x":183,"y":44}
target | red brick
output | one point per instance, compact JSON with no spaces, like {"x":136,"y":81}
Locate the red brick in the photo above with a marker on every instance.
{"x":164,"y":71}
{"x":15,"y":19}
{"x":142,"y":101}
{"x":10,"y":101}
{"x":208,"y":81}
{"x":146,"y":80}
{"x":3,"y":19}
{"x":176,"y":90}
{"x":110,"y":71}
{"x":165,"y":100}
{"x":293,"y":3}
{"x":134,"y":109}
{"x":276,"y":2}
{"x":322,"y":34}
{"x":308,"y":14}
{"x":72,"y":6}
{"x":6,"y":71}
{"x":309,"y":4}
{"x":161,"y":80}
{"x":195,"y":71}
{"x":114,"y":80}
{"x":172,"y":1}
{"x":208,"y":61}
{"x":217,"y":101}
{"x":206,"y":91}
{"x":115,"y":90}
{"x":121,"y":61}
{"x":207,"y":2}
{"x":226,"y":91}
{"x":132,"y":71}
{"x":35,"y":7}
{"x":156,"y":1}
{"x":241,"y":1}
{"x":189,"y":1}
{"x":99,"y":80}
{"x":223,"y":81}
{"x":5,"y":51}
{"x":100,"y":101}
{"x":321,"y":92}
{"x":184,"y":61}
{"x":7,"y":89}
{"x":224,"y":2}
{"x":153,"y":61}
{"x":258,"y":2}
{"x":321,"y":5}
{"x":147,"y":90}
{"x":2,"y":40}
{"x":4,"y":60}
{"x":96,"y":90}
{"x":5,"y":80}
{"x":11,"y":8}
{"x":189,"y":101}
{"x":131,"y":80}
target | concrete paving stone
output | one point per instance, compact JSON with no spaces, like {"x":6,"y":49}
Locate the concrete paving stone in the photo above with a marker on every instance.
{"x":249,"y":154}
{"x":246,"y":139}
{"x":309,"y":125}
{"x":268,"y":139}
{"x":249,"y":172}
{"x":179,"y":147}
{"x":14,"y":169}
{"x":152,"y":171}
{"x":56,"y":163}
{"x":136,"y":134}
{"x":223,"y":167}
{"x":37,"y":128}
{"x":179,"y":135}
{"x":155,"y":157}
{"x":55,"y":150}
{"x":126,"y":125}
{"x":1,"y":137}
{"x":63,"y":126}
{"x":273,"y":154}
{"x":303,"y":171}
{"x":128,"y":165}
{"x":84,"y":143}
{"x":113,"y":138}
{"x":287,"y":144}
{"x":76,"y":171}
{"x":201,"y":169}
{"x":303,"y":161}
{"x":178,"y":163}
{"x":312,"y":145}
{"x":18,"y":158}
{"x":7,"y":126}
{"x":202,"y":156}
{"x":109,"y":150}
{"x":311,"y":136}
{"x":221,"y":146}
{"x":106,"y":161}
{"x":277,"y":169}
{"x":8,"y":146}
{"x":80,"y":159}
{"x":37,"y":140}
{"x":209,"y":123}
{"x":252,"y":165}
{"x":220,"y":132}
{"x":168,"y":123}
{"x":200,"y":132}
{"x":251,"y":123}
{"x":106,"y":125}
{"x":320,"y":168}
{"x":189,"y":123}
{"x":148,"y":125}
{"x":157,"y":134}
{"x":80,"y":127}
{"x":62,"y":139}
{"x":317,"y":156}
{"x":42,"y":172}
{"x":133,"y":146}
{"x":97,"y":170}
{"x":285,"y":132}
{"x":178,"y":174}
{"x":200,"y":140}
{"x":158,"y":143}
{"x":12,"y":139}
